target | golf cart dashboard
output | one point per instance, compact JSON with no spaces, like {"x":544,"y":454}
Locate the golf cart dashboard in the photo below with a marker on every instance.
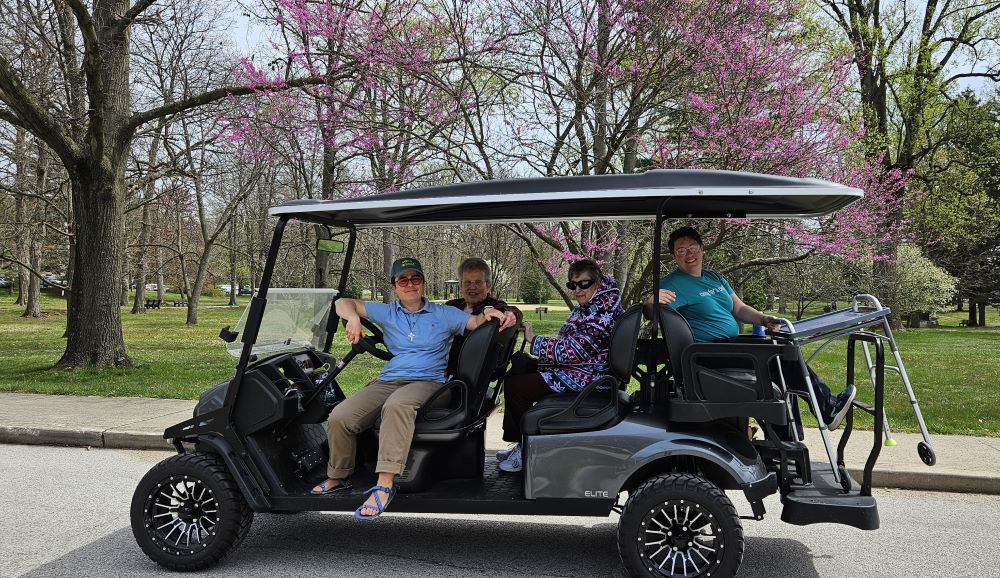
{"x":290,"y":369}
{"x":273,"y":389}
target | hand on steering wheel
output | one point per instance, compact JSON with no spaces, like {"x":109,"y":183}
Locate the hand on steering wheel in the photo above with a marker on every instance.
{"x":370,"y":343}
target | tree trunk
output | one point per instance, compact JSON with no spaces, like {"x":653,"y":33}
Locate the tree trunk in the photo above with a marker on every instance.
{"x":233,"y":282}
{"x":32,"y":305}
{"x":139,"y":304}
{"x":21,"y":234}
{"x":982,"y":313}
{"x":32,"y":301}
{"x":199,"y":283}
{"x":94,"y":332}
{"x":886,"y":279}
{"x":160,"y":291}
{"x":973,"y":322}
{"x":387,"y":259}
{"x":183,"y":289}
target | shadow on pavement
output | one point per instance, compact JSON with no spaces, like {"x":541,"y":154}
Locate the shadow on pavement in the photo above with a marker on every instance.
{"x":335,"y":545}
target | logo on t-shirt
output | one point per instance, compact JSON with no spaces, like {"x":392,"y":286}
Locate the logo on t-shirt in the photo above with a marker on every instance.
{"x":710,"y":292}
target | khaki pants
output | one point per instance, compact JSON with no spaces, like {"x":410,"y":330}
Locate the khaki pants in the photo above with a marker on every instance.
{"x":397,"y":401}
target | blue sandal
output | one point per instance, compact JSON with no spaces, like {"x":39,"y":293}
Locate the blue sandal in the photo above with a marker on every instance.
{"x":378,"y":506}
{"x":343,"y":485}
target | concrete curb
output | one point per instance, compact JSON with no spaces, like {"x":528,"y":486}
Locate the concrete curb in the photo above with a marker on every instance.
{"x":92,"y":438}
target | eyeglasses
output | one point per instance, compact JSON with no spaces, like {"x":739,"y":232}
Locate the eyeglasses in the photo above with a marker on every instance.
{"x":683,"y":251}
{"x":416,"y":281}
{"x":476,"y":283}
{"x":582,"y":284}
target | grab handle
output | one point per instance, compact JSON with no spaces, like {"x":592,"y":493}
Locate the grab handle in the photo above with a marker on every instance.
{"x":865,"y":297}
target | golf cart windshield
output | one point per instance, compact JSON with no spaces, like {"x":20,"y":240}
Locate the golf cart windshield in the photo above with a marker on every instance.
{"x":294,"y":318}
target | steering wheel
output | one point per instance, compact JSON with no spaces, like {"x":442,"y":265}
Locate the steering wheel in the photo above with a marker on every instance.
{"x":370,"y":343}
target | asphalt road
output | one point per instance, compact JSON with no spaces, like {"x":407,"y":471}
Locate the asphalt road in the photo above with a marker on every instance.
{"x":64,"y":512}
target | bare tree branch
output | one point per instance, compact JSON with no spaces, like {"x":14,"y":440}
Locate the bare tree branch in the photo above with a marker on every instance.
{"x":130,"y":15}
{"x":92,"y":64}
{"x":32,"y":115}
{"x":140,"y":118}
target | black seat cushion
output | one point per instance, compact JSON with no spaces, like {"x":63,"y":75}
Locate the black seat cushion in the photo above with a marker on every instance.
{"x":603,"y":405}
{"x":591,"y":415}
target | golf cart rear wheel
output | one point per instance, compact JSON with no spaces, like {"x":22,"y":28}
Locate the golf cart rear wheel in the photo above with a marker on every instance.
{"x":188,"y":513}
{"x":680,"y":526}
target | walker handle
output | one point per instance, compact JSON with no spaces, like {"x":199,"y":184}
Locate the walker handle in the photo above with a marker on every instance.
{"x":865,"y":297}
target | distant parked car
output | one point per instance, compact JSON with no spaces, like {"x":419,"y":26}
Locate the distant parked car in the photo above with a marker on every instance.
{"x":5,"y":282}
{"x":245,"y":290}
{"x":153,"y":286}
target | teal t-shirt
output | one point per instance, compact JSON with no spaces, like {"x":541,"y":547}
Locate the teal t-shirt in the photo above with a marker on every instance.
{"x":706,"y":302}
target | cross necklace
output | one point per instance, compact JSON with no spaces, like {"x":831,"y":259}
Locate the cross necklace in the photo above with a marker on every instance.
{"x":411,"y":321}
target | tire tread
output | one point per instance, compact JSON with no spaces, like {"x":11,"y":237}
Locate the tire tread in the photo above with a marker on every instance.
{"x":215,"y":473}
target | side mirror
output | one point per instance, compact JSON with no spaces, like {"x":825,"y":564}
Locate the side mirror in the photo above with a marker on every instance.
{"x":330,"y":246}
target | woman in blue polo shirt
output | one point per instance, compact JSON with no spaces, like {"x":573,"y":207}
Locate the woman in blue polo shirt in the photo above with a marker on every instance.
{"x":712,"y":309}
{"x":417,"y":332}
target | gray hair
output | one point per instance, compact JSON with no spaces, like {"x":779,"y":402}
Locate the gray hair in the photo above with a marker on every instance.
{"x":476,"y":264}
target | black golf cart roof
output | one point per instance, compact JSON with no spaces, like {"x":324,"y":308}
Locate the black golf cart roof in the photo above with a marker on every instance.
{"x":691,"y":193}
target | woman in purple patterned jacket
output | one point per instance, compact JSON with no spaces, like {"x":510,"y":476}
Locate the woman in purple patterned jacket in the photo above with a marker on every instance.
{"x":567,"y":362}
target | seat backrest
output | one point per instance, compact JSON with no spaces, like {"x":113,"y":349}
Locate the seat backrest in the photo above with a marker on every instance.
{"x":476,"y":348}
{"x":677,"y":335}
{"x":623,"y":344}
{"x":476,"y":361}
{"x":504,"y":344}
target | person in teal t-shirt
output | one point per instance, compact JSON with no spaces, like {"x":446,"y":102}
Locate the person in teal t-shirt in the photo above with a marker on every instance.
{"x":712,"y":308}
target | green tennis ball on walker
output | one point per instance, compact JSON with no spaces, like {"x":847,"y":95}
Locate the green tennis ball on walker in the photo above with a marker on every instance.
{"x":889,"y":442}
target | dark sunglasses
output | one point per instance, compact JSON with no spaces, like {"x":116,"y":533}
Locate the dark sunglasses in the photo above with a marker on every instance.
{"x":582,"y":284}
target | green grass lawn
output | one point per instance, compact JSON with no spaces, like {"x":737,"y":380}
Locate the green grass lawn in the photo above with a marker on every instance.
{"x":954,"y":370}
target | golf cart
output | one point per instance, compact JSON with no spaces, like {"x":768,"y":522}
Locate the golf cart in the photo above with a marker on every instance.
{"x":660,"y":456}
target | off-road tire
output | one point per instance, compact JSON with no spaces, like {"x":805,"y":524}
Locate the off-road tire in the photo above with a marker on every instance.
{"x":188,"y":513}
{"x":655,"y":539}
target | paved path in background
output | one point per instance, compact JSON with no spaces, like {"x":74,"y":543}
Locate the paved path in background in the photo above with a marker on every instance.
{"x":965,"y":463}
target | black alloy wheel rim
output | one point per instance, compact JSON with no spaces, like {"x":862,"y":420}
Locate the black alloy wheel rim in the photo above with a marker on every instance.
{"x":182,"y":515}
{"x":680,"y":539}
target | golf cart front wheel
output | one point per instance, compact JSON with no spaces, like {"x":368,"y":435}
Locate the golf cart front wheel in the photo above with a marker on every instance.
{"x":188,"y":513}
{"x":680,"y":526}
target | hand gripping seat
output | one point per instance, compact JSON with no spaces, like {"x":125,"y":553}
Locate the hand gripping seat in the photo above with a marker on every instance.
{"x":722,"y":380}
{"x":603,"y":402}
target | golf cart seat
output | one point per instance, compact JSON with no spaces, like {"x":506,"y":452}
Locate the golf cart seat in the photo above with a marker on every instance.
{"x":465,"y":399}
{"x":602,"y":403}
{"x":449,"y":438}
{"x":722,"y":380}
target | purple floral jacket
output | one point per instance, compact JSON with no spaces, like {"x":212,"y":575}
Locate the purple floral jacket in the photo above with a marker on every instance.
{"x":580,"y":353}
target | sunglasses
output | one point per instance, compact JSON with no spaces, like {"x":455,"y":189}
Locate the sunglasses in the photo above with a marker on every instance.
{"x":416,"y":281}
{"x":582,"y":284}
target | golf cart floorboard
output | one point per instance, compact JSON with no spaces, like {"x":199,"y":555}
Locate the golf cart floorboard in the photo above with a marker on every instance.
{"x":824,"y":501}
{"x":496,"y":492}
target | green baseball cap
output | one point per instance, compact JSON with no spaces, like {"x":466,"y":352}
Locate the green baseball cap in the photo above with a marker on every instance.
{"x":400,"y":266}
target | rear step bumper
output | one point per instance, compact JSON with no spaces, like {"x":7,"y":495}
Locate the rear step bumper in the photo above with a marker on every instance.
{"x":824,"y":501}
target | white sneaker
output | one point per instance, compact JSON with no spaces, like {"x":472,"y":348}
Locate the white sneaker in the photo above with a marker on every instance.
{"x":504,"y":454}
{"x":513,"y":461}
